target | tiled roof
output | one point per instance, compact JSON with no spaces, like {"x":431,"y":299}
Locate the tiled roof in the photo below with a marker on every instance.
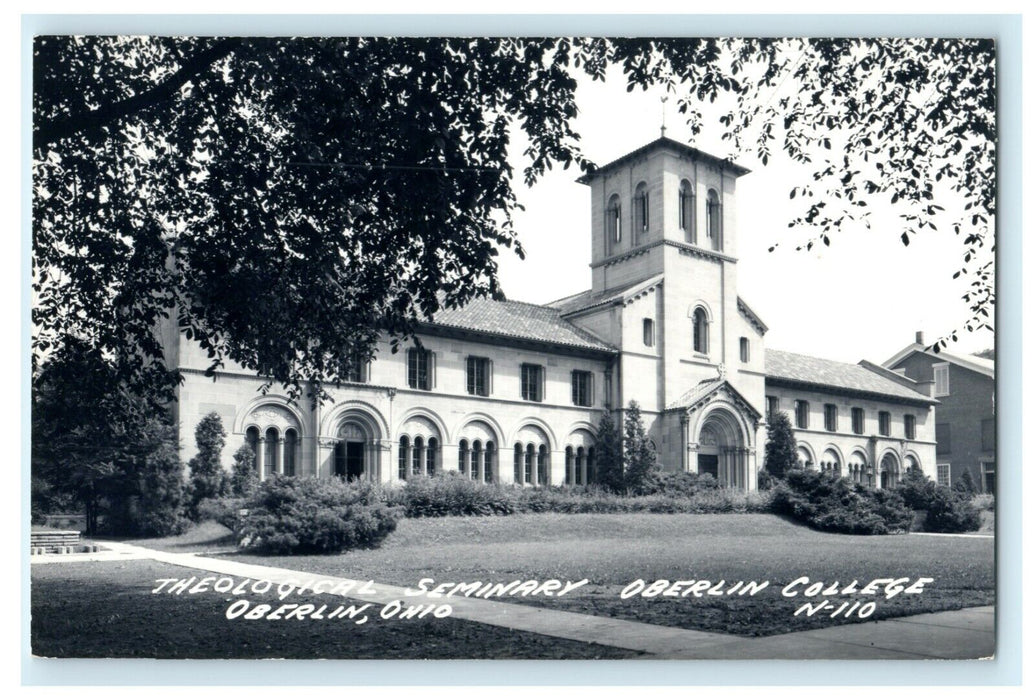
{"x":791,"y":366}
{"x":587,"y":299}
{"x":516,"y":319}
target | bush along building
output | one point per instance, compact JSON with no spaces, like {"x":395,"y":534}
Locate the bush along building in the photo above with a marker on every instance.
{"x":965,"y":423}
{"x":510,"y":392}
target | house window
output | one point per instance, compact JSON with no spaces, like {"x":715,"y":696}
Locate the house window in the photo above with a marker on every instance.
{"x":884,"y":423}
{"x":713,"y":212}
{"x":478,"y":375}
{"x":830,"y":417}
{"x":802,"y":414}
{"x":532,"y":382}
{"x":686,"y":211}
{"x":989,"y":477}
{"x":582,"y":388}
{"x":613,"y":221}
{"x":649,"y":332}
{"x":745,"y":356}
{"x":773,"y":404}
{"x":942,"y":474}
{"x":989,"y":434}
{"x":942,"y":379}
{"x":909,"y":427}
{"x":640,"y":211}
{"x":356,"y":371}
{"x":420,"y":366}
{"x":701,"y":331}
{"x":858,"y":421}
{"x":942,"y":438}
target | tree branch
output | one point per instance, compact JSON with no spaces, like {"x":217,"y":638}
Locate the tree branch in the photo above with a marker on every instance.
{"x":92,"y":120}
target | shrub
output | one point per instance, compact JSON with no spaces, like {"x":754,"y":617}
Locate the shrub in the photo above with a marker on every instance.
{"x":639,"y":467}
{"x":680,"y":484}
{"x":226,"y":511}
{"x":207,"y":477}
{"x":454,"y":494}
{"x":951,"y":512}
{"x":781,"y":453}
{"x":916,"y":489}
{"x":609,"y":454}
{"x":244,"y":479}
{"x":827,"y":502}
{"x":307,"y":515}
{"x":984,"y":501}
{"x":966,"y":483}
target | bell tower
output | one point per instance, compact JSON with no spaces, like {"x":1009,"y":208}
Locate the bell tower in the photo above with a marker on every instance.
{"x":664,"y":195}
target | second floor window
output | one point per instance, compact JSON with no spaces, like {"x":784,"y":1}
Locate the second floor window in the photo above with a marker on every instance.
{"x":942,"y":379}
{"x":745,"y":350}
{"x":419,"y":368}
{"x":713,"y":227}
{"x":357,"y":371}
{"x":532,"y":382}
{"x":858,"y":421}
{"x":478,"y":375}
{"x":830,"y":417}
{"x":649,"y":332}
{"x":773,"y":404}
{"x":884,"y":423}
{"x":909,"y":427}
{"x":582,"y":388}
{"x":802,"y":414}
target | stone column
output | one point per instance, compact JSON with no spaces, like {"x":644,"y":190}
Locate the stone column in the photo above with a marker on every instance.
{"x":280,"y":455}
{"x":260,"y":458}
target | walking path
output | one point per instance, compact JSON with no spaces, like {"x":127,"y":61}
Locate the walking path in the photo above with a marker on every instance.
{"x":959,"y":634}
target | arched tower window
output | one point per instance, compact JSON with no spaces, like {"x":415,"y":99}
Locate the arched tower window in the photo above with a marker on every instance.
{"x":613,"y":222}
{"x":701,"y":331}
{"x":640,"y":212}
{"x":404,"y":457}
{"x":463,"y":458}
{"x":686,"y":212}
{"x":713,"y":221}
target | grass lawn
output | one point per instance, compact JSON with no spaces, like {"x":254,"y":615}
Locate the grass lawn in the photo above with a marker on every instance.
{"x":613,"y":550}
{"x":106,"y":609}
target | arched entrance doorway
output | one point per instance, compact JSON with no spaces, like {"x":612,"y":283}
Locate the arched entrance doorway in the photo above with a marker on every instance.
{"x":350,"y":461}
{"x":722,"y":452}
{"x":889,"y":470}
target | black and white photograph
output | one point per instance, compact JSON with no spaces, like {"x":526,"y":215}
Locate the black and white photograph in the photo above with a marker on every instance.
{"x":402,"y":347}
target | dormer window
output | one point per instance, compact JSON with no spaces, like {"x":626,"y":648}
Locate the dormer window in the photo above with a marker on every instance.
{"x":713,"y":214}
{"x":686,"y":211}
{"x":613,"y":222}
{"x":640,"y":212}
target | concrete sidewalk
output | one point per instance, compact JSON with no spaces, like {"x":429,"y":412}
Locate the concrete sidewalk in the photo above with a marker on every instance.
{"x":960,"y":634}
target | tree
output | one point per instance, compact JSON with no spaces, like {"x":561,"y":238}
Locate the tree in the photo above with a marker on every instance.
{"x":608,"y":454}
{"x":207,"y":476}
{"x":966,"y":483}
{"x":243,"y":477}
{"x":96,"y":440}
{"x":286,"y":201}
{"x":781,"y":452}
{"x":640,"y":459}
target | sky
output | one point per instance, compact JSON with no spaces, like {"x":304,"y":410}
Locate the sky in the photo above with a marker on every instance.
{"x":864,"y":297}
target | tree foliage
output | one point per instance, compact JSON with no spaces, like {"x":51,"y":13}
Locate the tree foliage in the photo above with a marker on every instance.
{"x":100,"y":443}
{"x":608,"y":454}
{"x":781,"y":451}
{"x":244,"y":479}
{"x":208,"y":479}
{"x":285,"y":201}
{"x":966,"y":483}
{"x":640,"y":458}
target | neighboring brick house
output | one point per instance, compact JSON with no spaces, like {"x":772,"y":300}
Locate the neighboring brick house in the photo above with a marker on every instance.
{"x":510,"y":392}
{"x":965,"y":418}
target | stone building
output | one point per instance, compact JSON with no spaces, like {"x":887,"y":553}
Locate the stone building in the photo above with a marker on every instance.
{"x":965,"y":423}
{"x":512,"y":392}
